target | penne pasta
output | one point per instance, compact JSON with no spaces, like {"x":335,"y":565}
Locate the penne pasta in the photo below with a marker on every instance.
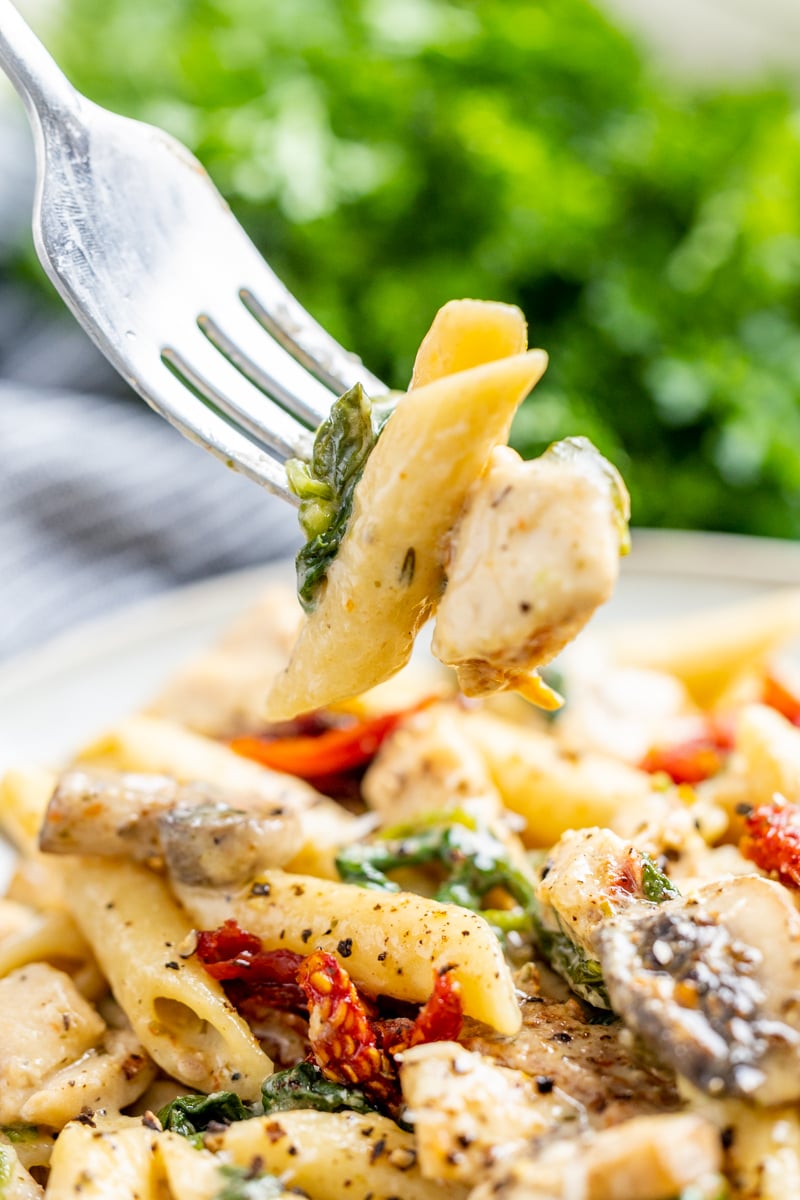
{"x":180,"y":1015}
{"x":392,"y":944}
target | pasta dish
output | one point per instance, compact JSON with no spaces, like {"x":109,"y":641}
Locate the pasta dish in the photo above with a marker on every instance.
{"x":395,"y":932}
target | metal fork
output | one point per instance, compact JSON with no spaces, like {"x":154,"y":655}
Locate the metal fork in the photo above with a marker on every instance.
{"x":149,"y":258}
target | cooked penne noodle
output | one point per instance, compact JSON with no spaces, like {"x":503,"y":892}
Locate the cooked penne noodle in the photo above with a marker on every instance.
{"x":181,"y":1016}
{"x":331,"y":1155}
{"x":383,"y":584}
{"x":392,"y":943}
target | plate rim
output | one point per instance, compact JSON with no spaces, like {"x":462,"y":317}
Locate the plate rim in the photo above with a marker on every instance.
{"x":656,"y":552}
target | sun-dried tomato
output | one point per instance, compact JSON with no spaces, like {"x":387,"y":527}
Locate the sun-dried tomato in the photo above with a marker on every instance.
{"x":329,"y":753}
{"x":771,"y":839}
{"x":254,"y":979}
{"x":438,"y":1021}
{"x":695,"y":758}
{"x":778,"y":695}
{"x":343,"y":1039}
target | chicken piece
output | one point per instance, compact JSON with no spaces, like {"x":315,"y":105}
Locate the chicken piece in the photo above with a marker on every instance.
{"x":590,"y":875}
{"x":534,"y":553}
{"x":649,"y":1158}
{"x":468,"y":1112}
{"x":430,"y":763}
{"x":205,"y":840}
{"x":698,"y":979}
{"x":599,"y":1068}
{"x":56,"y":1053}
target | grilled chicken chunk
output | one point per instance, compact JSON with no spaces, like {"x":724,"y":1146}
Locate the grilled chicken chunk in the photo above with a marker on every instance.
{"x":600,"y":1068}
{"x":535,"y":552}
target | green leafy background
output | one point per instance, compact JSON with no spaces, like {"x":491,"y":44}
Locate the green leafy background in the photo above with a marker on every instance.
{"x":388,"y":156}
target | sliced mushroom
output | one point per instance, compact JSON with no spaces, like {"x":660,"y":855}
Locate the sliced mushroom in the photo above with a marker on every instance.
{"x":225,"y":836}
{"x":213,"y":845}
{"x":712,"y":982}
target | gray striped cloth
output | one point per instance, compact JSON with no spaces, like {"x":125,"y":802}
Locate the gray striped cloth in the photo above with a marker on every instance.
{"x":103,"y":503}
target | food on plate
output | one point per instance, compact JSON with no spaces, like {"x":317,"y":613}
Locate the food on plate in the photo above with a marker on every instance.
{"x":399,"y":503}
{"x":414,"y":946}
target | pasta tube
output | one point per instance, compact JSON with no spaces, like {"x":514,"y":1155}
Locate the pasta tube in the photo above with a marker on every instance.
{"x":383,"y":584}
{"x":391,"y":943}
{"x":179,"y":1013}
{"x":331,"y":1155}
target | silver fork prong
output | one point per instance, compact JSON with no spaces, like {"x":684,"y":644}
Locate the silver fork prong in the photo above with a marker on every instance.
{"x":311,"y":345}
{"x":172,"y":399}
{"x":139,"y":242}
{"x":303,"y":397}
{"x":210,"y":375}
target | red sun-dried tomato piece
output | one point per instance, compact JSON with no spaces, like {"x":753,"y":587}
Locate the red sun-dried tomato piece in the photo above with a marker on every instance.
{"x":784,"y":699}
{"x":328,"y":753}
{"x":439,"y":1020}
{"x":771,"y":839}
{"x":694,"y":758}
{"x":343,"y":1039}
{"x":254,"y":979}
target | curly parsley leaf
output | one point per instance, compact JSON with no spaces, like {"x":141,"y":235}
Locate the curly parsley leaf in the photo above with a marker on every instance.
{"x":657,"y":887}
{"x":304,"y":1086}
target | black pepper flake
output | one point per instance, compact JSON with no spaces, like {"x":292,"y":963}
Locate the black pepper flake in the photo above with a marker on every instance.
{"x":382,"y":956}
{"x":566,"y":1038}
{"x":377,"y":1150}
{"x":726,"y":1137}
{"x":744,"y":809}
{"x":260,"y":889}
{"x":345,"y":947}
{"x":305,"y":935}
{"x":544,"y":1084}
{"x":85,"y":1117}
{"x":172,"y":966}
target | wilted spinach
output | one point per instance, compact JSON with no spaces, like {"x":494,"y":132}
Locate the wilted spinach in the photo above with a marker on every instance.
{"x":304,"y":1086}
{"x":190,"y":1115}
{"x":241,"y":1184}
{"x":474,"y":862}
{"x":326,"y":483}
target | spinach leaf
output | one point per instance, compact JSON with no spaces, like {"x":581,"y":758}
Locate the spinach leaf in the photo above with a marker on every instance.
{"x":656,"y":886}
{"x":304,"y":1086}
{"x":241,"y":1184}
{"x":19,"y":1133}
{"x":474,"y":862}
{"x":583,"y":974}
{"x":326,"y":484}
{"x":189,"y":1115}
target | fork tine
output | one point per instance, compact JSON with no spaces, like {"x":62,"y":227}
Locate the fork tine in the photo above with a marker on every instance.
{"x":171,"y":399}
{"x":311,"y":345}
{"x":195,"y":360}
{"x":267,"y":365}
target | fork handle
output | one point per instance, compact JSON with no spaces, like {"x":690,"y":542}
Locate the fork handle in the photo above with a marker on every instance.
{"x":44,"y":88}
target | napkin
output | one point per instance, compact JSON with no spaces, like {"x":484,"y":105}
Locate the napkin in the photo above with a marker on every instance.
{"x":102,"y":503}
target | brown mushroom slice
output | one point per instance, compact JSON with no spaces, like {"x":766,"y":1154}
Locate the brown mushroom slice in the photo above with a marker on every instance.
{"x":213,"y":845}
{"x":712,"y":982}
{"x":109,"y":813}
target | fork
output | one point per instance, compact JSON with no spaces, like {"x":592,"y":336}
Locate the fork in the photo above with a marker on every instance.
{"x":146,"y":253}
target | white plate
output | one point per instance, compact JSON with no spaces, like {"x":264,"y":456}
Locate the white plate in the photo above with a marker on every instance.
{"x":53,"y":699}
